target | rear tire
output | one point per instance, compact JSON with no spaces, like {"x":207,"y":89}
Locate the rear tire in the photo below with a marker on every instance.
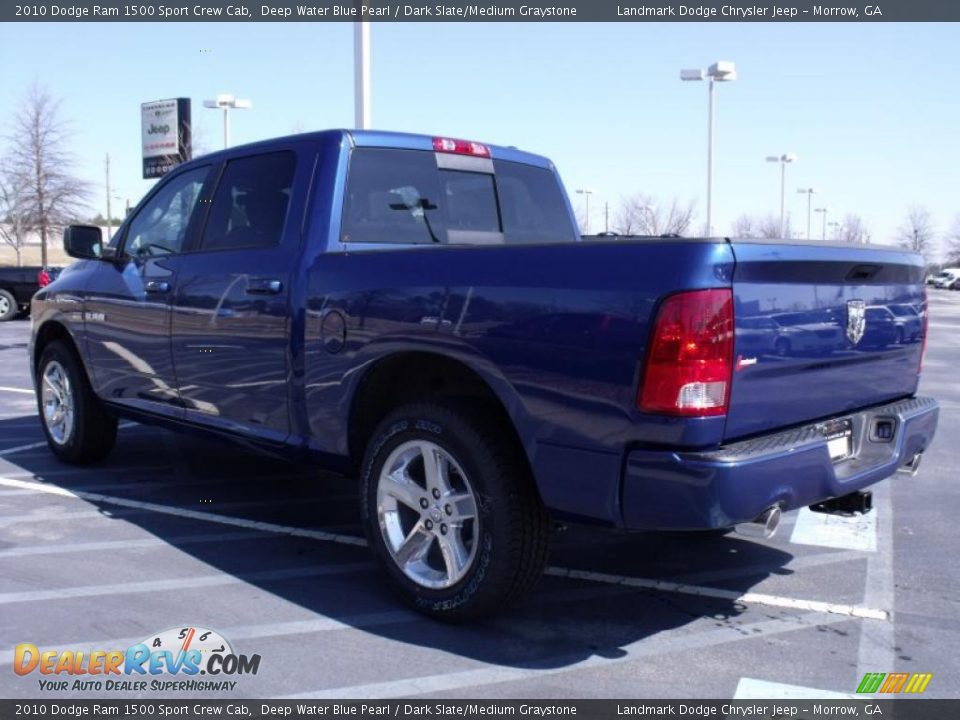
{"x":8,"y":306}
{"x":451,"y":511}
{"x":77,"y":426}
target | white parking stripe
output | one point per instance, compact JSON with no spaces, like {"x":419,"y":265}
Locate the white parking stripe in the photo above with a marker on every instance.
{"x":16,"y":390}
{"x":858,"y":532}
{"x":667,"y":642}
{"x":857,"y":611}
{"x":43,"y":443}
{"x":21,"y":448}
{"x":122,"y":545}
{"x":645,"y":583}
{"x":877,"y":644}
{"x":149,"y":586}
{"x":326,"y":624}
{"x":807,"y":561}
{"x":185,"y":513}
{"x":752,"y":689}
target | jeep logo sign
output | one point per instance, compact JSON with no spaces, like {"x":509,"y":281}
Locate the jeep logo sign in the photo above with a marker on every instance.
{"x":165,"y":135}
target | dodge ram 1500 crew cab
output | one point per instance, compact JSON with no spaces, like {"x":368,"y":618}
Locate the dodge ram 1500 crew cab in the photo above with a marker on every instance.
{"x":422,"y":313}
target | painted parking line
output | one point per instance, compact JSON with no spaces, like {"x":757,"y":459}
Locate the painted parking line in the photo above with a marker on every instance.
{"x":16,"y":390}
{"x":43,"y":443}
{"x":858,"y":532}
{"x":753,"y":689}
{"x":670,"y":641}
{"x":125,"y":544}
{"x":21,"y":448}
{"x":856,"y":611}
{"x":323,"y":624}
{"x":185,"y":513}
{"x":750,"y":598}
{"x":177,"y":584}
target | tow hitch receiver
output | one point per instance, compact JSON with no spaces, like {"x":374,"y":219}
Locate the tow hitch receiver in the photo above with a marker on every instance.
{"x":856,"y":502}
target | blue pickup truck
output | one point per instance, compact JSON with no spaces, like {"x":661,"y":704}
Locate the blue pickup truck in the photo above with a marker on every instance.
{"x":421,"y":313}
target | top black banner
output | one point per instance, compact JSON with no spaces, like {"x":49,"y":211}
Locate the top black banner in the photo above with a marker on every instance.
{"x":639,"y":11}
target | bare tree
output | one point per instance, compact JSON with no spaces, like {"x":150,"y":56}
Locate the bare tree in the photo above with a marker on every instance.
{"x":40,"y":161}
{"x":644,"y":215}
{"x":14,"y":221}
{"x":917,"y":232}
{"x":854,"y":230}
{"x":767,"y":226}
{"x":745,"y":227}
{"x":951,"y":243}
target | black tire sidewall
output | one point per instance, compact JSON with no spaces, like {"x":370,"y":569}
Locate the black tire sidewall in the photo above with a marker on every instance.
{"x":72,"y":450}
{"x":13,"y":309}
{"x":458,"y":438}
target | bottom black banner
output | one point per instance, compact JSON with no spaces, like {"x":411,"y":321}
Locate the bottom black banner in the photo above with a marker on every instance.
{"x":914,"y":709}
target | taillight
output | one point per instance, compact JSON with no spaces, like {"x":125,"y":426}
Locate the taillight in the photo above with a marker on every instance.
{"x":43,"y":278}
{"x":460,"y":147}
{"x":690,"y":358}
{"x":923,"y":340}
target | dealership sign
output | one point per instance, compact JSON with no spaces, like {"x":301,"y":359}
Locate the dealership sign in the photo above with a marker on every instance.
{"x":165,"y":135}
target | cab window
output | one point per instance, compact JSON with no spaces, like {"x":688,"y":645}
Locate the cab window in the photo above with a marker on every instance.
{"x":160,"y":228}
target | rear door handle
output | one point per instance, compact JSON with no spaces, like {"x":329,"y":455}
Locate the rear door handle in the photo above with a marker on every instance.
{"x":157,"y":286}
{"x":263,"y":286}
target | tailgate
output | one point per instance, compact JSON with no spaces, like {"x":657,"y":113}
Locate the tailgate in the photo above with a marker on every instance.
{"x":821,"y":330}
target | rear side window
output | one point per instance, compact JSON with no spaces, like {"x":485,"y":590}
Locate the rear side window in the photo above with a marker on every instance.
{"x":401,"y":196}
{"x":250,"y":205}
{"x":532,"y":203}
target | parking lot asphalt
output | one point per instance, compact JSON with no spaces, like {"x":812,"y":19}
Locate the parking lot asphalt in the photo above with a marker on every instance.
{"x":172,"y":532}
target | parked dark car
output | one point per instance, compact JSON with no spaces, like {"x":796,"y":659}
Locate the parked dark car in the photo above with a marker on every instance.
{"x":421,"y":314}
{"x":908,"y":320}
{"x":17,"y":286}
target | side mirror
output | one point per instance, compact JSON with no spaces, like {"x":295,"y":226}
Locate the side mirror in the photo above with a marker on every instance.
{"x":83,"y":241}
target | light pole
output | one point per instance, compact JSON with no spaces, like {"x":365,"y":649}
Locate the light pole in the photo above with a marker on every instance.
{"x":227,"y":102}
{"x":720,"y":71}
{"x":784,"y":160}
{"x":809,"y":192}
{"x":361,"y":74}
{"x":836,"y":229}
{"x":586,"y":196}
{"x":109,"y":218}
{"x":823,"y":233}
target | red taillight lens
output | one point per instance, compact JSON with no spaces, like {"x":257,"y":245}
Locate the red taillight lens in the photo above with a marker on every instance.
{"x":690,"y":358}
{"x":923,"y":339}
{"x":460,"y":147}
{"x":43,"y":278}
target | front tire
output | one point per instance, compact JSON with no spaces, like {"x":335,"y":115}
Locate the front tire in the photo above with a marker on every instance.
{"x":8,"y":306}
{"x":451,"y":511}
{"x":77,"y":426}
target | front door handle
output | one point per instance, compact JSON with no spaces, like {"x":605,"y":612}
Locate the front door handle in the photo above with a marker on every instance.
{"x":157,"y":286}
{"x":263,"y":286}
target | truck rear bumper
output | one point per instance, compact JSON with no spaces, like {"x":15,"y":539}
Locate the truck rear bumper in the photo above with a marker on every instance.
{"x":665,"y":490}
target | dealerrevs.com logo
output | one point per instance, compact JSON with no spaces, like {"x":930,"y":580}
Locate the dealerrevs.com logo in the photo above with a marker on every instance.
{"x":170,"y":661}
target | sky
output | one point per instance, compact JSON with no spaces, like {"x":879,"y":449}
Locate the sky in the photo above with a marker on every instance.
{"x":870,"y":109}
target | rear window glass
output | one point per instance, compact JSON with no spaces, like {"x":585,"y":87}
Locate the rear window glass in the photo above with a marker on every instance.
{"x":401,"y":196}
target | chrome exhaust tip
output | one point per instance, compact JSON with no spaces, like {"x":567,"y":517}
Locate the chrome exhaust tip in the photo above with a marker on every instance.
{"x":912,"y":466}
{"x":763,"y":525}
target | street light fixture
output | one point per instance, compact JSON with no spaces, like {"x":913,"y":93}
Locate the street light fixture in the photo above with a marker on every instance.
{"x":823,"y":232}
{"x":227,"y":102}
{"x":809,"y":192}
{"x":720,"y":71}
{"x":586,"y":192}
{"x":784,"y":160}
{"x":837,"y":226}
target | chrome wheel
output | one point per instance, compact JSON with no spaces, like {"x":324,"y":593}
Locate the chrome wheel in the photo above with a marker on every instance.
{"x":57,"y":397}
{"x":427,"y":512}
{"x":4,"y":305}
